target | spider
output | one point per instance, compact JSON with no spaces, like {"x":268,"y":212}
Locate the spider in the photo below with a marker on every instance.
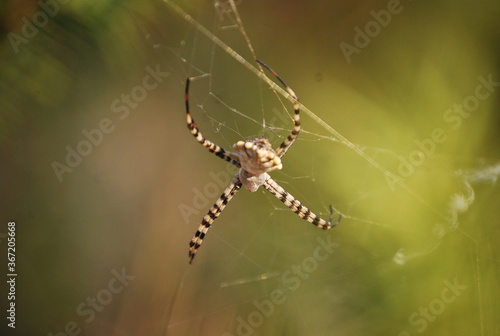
{"x":255,"y":159}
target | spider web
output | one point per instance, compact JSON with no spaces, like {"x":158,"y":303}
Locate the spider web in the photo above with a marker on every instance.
{"x":417,"y":215}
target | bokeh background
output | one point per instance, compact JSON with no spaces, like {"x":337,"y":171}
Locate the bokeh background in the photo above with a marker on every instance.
{"x":102,"y":244}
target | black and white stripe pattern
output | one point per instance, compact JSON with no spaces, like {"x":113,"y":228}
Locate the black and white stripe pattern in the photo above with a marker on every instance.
{"x":258,"y":158}
{"x":297,"y":207}
{"x":213,"y":148}
{"x":281,"y":150}
{"x":212,"y":214}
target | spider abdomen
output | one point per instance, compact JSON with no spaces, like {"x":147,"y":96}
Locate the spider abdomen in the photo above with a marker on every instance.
{"x":252,"y":182}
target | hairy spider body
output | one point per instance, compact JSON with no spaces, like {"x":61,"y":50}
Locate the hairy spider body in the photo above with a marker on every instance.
{"x":255,"y":158}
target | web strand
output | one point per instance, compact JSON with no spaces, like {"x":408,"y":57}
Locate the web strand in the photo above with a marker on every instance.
{"x":260,"y":74}
{"x":265,"y":271}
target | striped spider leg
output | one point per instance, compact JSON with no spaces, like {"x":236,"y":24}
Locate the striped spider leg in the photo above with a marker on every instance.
{"x":255,"y":158}
{"x":226,"y":196}
{"x":297,"y":207}
{"x":212,"y":214}
{"x":213,"y":148}
{"x":281,"y":150}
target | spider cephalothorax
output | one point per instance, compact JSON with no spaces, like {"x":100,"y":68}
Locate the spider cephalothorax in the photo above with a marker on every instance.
{"x":255,"y":158}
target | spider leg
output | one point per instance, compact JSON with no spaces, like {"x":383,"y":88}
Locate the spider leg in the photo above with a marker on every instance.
{"x":297,"y":207}
{"x":281,"y":150}
{"x":213,"y":148}
{"x":212,"y":214}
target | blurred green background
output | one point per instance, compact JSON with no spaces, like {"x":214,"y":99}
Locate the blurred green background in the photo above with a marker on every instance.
{"x":102,"y":236}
